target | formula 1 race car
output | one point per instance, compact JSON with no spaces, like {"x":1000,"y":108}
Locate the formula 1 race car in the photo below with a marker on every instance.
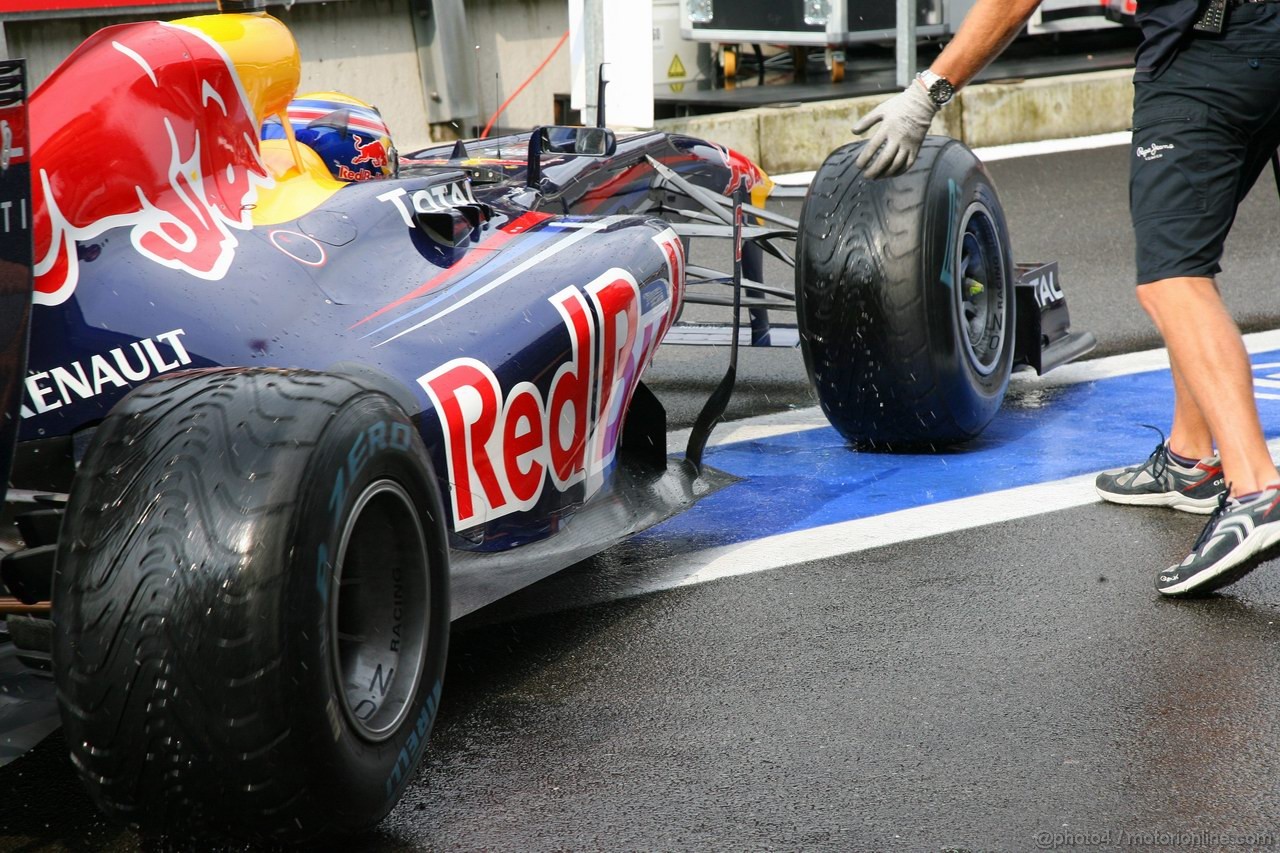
{"x":278,"y":430}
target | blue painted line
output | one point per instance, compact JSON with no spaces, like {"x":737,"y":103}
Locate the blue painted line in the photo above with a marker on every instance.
{"x":812,"y":478}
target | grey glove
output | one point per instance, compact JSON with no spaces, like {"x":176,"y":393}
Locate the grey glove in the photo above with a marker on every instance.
{"x":904,"y":120}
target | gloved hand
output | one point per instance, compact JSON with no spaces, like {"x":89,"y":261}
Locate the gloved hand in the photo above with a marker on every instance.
{"x":904,"y":120}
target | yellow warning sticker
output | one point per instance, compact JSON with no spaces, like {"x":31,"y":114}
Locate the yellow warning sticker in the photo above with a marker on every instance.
{"x":677,"y":67}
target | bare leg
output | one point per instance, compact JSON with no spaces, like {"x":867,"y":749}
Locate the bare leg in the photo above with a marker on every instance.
{"x":1205,"y":345}
{"x":1189,"y":435}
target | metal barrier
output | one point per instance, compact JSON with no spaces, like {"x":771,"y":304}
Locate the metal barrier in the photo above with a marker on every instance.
{"x":906,"y":44}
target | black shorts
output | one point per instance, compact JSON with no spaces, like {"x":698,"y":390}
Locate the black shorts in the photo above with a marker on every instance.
{"x":1202,"y":132}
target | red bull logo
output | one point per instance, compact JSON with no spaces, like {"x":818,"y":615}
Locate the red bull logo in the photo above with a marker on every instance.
{"x":740,"y":166}
{"x":374,"y":153}
{"x":171,"y":154}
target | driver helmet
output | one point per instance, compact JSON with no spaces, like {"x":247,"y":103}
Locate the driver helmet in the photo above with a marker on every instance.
{"x":348,"y":134}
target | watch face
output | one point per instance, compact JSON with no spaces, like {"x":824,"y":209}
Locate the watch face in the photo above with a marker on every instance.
{"x":941,"y":91}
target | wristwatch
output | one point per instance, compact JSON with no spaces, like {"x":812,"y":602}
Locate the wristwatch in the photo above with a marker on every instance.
{"x":939,"y":88}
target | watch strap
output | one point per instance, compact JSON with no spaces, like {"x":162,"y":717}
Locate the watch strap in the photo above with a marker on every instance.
{"x":940,"y":89}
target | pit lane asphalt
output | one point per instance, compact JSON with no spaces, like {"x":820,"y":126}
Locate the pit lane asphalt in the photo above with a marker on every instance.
{"x":986,"y":690}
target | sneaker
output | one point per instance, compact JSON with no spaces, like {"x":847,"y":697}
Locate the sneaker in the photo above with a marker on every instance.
{"x":1160,"y":481}
{"x":1239,"y":537}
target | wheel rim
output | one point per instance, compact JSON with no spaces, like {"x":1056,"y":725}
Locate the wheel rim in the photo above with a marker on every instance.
{"x":380,"y":612}
{"x":981,"y":302}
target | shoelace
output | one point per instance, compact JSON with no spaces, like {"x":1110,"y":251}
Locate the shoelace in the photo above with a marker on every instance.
{"x":1214,"y":516}
{"x":1159,"y":458}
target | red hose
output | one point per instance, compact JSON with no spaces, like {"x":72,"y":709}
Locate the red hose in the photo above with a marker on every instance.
{"x":493,"y":118}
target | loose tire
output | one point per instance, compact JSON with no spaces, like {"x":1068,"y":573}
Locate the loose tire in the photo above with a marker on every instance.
{"x":905,"y":298}
{"x":251,"y":605}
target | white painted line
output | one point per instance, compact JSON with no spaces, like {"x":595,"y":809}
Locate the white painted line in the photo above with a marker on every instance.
{"x":1131,"y":363}
{"x":1053,"y":146}
{"x":849,"y":537}
{"x":1079,"y":372}
{"x":1003,"y":152}
{"x":753,"y":429}
{"x":863,"y":534}
{"x":794,"y":179}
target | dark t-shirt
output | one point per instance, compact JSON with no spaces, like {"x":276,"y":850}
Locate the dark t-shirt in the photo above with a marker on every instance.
{"x":1163,"y":23}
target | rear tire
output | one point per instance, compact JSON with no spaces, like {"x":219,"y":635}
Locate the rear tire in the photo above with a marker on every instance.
{"x":905,"y":298}
{"x":251,"y":604}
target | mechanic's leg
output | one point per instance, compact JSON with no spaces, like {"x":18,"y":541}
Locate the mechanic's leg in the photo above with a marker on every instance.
{"x":1206,"y":345}
{"x":1189,"y":436}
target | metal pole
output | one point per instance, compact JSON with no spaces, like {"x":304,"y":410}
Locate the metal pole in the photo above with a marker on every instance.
{"x":906,"y":41}
{"x":593,"y":47}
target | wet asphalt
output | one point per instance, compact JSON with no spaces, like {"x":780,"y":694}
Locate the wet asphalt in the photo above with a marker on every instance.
{"x":1011,"y":687}
{"x":969,"y":692}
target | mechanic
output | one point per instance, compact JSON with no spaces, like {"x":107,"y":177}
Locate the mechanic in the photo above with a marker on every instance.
{"x":348,"y":134}
{"x":1206,"y":120}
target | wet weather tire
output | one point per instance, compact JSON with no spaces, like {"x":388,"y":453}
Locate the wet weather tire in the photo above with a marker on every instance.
{"x":251,"y":605}
{"x":905,"y":292}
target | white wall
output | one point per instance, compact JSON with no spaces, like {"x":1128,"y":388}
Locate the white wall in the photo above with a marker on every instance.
{"x":44,"y":44}
{"x":513,"y":37}
{"x":620,"y":35}
{"x":366,"y":48}
{"x":371,"y":55}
